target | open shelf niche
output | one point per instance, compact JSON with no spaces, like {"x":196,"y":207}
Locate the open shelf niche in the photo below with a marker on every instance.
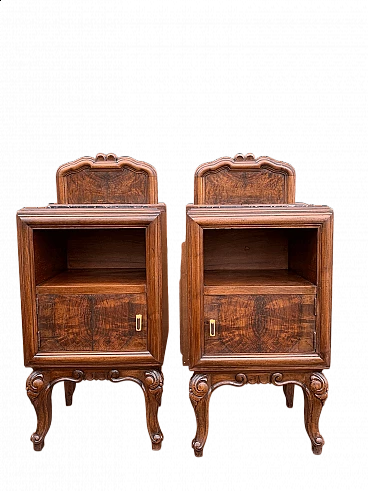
{"x":260,"y":260}
{"x":90,"y":260}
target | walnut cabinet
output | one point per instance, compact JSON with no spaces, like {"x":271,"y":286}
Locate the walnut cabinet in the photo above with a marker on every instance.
{"x":255,"y":287}
{"x":93,"y":277}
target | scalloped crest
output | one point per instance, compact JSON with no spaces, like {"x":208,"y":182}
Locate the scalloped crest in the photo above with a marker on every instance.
{"x":106,"y":179}
{"x":244,"y":180}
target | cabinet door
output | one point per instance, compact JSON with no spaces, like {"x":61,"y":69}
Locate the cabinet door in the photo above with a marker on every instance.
{"x":115,"y":322}
{"x":105,"y":322}
{"x":64,"y":322}
{"x":259,"y":324}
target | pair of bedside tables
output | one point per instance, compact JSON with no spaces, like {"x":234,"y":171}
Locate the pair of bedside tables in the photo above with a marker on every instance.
{"x":255,"y":288}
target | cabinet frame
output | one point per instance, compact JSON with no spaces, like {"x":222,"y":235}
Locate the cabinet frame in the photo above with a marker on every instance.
{"x":200,"y":217}
{"x":150,"y":217}
{"x":244,"y":194}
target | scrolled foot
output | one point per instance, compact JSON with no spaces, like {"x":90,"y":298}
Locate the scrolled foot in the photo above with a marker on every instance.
{"x":37,"y":445}
{"x":198,"y":449}
{"x":156,"y":442}
{"x":317,"y":444}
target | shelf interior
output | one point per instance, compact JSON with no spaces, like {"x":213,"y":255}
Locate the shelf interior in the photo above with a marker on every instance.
{"x":96,"y":280}
{"x":90,"y":260}
{"x":256,"y":280}
{"x":266,"y":277}
{"x":260,"y":260}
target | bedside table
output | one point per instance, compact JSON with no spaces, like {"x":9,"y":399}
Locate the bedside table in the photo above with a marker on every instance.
{"x":93,"y":278}
{"x":255,"y":287}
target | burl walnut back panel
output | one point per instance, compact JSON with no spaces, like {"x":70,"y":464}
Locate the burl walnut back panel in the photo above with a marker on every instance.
{"x":106,"y":179}
{"x":244,"y":180}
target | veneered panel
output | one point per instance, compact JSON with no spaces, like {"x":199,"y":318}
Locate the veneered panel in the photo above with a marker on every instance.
{"x":115,"y":323}
{"x":259,"y":324}
{"x":244,"y":187}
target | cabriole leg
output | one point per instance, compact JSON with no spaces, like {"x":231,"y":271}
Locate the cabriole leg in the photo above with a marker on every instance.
{"x":201,"y":386}
{"x":151,"y":382}
{"x":315,"y":395}
{"x":39,"y":391}
{"x":315,"y":390}
{"x":199,"y":394}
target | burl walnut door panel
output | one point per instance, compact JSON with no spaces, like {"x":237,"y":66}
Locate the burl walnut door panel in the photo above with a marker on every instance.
{"x":65,"y":322}
{"x":115,"y":323}
{"x":259,"y":324}
{"x":105,"y":322}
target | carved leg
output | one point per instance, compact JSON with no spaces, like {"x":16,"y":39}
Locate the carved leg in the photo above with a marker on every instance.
{"x":151,"y":382}
{"x":38,"y":387}
{"x":315,"y":389}
{"x":39,"y":392}
{"x":315,"y":395}
{"x":69,"y":388}
{"x":199,"y":394}
{"x":201,"y":387}
{"x":289,"y":394}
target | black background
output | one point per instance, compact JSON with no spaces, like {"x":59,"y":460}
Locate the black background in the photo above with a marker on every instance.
{"x":107,"y":420}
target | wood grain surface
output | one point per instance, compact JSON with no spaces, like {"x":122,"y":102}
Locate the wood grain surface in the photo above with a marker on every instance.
{"x":96,"y":280}
{"x":259,"y":324}
{"x":91,"y":322}
{"x":106,"y":179}
{"x":65,"y":322}
{"x":234,"y":249}
{"x":244,"y":180}
{"x":256,"y":281}
{"x":122,"y":186}
{"x":242,"y":186}
{"x":119,"y":248}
